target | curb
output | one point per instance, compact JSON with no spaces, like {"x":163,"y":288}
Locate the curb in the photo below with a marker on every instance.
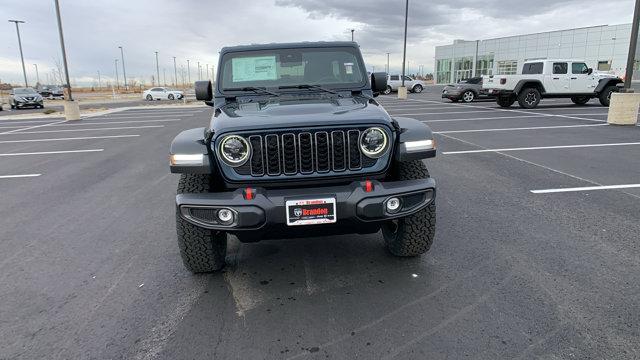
{"x":56,"y":116}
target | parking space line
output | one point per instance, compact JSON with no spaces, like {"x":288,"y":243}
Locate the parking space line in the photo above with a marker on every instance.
{"x":52,"y":152}
{"x":32,"y":127}
{"x":586,"y":188}
{"x":66,"y":139}
{"x":92,"y":129}
{"x":538,"y":148}
{"x":139,"y":117}
{"x":485,"y":118}
{"x":445,"y":113}
{"x":119,"y":122}
{"x":519,"y":128}
{"x":18,"y":176}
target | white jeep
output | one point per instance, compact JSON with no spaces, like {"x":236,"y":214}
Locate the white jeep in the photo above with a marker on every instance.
{"x":541,"y":79}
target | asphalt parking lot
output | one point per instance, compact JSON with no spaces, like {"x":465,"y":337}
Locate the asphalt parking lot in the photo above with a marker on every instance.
{"x":533,"y":258}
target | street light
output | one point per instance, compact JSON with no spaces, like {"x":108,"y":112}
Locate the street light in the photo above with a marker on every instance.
{"x":124,"y":70}
{"x":404,"y":51}
{"x":175,"y":72}
{"x":633,"y":45}
{"x":387,"y":63}
{"x":117,"y":83}
{"x":71,"y":108}
{"x":188,"y":72}
{"x":157,"y":69}
{"x":24,"y":70}
{"x":37,"y":75}
{"x":352,"y":30}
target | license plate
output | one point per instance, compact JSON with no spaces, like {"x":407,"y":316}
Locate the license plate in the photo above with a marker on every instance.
{"x":311,"y":211}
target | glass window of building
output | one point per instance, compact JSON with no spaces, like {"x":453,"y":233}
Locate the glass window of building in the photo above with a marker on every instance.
{"x":507,"y":67}
{"x":484,"y":65}
{"x":463,"y":68}
{"x":443,"y":71}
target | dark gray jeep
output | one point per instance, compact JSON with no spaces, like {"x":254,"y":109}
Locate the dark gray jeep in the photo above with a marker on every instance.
{"x":298,"y":146}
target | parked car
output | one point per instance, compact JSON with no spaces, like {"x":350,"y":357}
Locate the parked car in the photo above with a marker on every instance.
{"x":298,"y":153}
{"x":51,"y":91}
{"x":25,"y":97}
{"x":552,"y":79}
{"x":466,"y":90}
{"x":162,"y":93}
{"x":395,"y":81}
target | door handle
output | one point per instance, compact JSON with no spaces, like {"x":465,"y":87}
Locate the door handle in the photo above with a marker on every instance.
{"x":556,"y":78}
{"x":574,"y":78}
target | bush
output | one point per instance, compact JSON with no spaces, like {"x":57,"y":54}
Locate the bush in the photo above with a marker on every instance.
{"x":48,"y":111}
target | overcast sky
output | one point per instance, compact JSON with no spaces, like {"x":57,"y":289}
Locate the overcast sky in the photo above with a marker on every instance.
{"x":197,"y":29}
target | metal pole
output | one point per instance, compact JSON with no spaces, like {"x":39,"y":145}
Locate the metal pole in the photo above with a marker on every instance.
{"x":632,"y":47}
{"x":124,"y":71}
{"x":99,"y":81}
{"x":199,"y":72}
{"x":157,"y":68}
{"x":64,"y":52}
{"x":404,"y":51}
{"x":388,"y":63}
{"x":175,"y":72}
{"x":208,"y":78}
{"x":352,"y":30}
{"x":37,"y":75}
{"x":24,"y":70}
{"x":164,"y":72}
{"x":188,"y":72}
{"x":117,"y":83}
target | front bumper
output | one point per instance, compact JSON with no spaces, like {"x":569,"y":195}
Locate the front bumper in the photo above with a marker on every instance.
{"x":23,"y":103}
{"x":264,"y":216}
{"x":451,"y":94}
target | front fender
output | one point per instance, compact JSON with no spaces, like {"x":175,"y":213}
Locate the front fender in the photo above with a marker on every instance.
{"x":413,"y":140}
{"x":603,"y":83}
{"x":190,"y":142}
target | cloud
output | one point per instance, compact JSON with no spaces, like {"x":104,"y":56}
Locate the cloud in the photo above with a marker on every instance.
{"x":196,"y":30}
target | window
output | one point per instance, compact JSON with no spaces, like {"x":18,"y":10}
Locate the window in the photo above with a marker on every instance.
{"x":395,"y":77}
{"x":507,"y":67}
{"x":560,"y":68}
{"x":406,"y":78}
{"x":604,"y":65}
{"x":156,"y":89}
{"x":443,"y":71}
{"x":579,"y":68}
{"x":532,"y":68}
{"x":484,"y":65}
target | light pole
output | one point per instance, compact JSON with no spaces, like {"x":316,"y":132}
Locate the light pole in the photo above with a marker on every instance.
{"x":633,"y":46}
{"x":175,"y":72}
{"x":157,"y":68}
{"x":388,"y":63}
{"x":117,"y":83}
{"x":37,"y":75}
{"x":352,"y":30}
{"x":124,"y":70}
{"x":188,"y":72}
{"x":199,"y":72}
{"x":71,"y":108}
{"x":24,"y":70}
{"x":99,"y":80}
{"x":164,"y":72}
{"x":208,"y":78}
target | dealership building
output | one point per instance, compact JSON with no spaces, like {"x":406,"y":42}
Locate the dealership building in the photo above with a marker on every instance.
{"x":605,"y":48}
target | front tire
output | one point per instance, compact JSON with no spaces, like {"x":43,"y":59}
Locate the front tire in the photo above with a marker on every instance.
{"x":468,"y":96}
{"x":411,"y":235}
{"x":417,"y":89}
{"x":149,"y":97}
{"x":202,"y":250}
{"x":171,"y":97}
{"x":605,"y":95}
{"x":529,"y":98}
{"x":580,"y":100}
{"x":388,"y":90}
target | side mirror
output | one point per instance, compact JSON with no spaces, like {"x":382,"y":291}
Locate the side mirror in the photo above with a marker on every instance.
{"x":204,"y":91}
{"x":378,"y":82}
{"x":589,"y":71}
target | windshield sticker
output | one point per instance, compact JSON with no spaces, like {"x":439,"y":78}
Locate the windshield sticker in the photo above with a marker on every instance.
{"x":254,"y":68}
{"x":348,"y":68}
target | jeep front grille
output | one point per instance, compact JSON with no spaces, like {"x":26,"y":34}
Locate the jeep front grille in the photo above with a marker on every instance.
{"x":305,"y":152}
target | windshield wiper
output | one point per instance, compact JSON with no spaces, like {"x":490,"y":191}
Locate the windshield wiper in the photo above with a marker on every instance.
{"x":256,"y":90}
{"x":308,"y":86}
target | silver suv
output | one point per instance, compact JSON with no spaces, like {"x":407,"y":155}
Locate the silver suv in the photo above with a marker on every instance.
{"x":395,"y":81}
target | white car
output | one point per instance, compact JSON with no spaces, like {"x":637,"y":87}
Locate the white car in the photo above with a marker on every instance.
{"x":395,"y":81}
{"x":161,"y":93}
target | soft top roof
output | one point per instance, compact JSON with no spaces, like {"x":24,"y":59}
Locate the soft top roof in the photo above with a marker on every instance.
{"x":305,"y":44}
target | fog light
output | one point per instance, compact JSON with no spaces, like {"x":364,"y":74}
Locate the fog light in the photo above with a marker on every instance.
{"x":225,"y":216}
{"x":393,"y":205}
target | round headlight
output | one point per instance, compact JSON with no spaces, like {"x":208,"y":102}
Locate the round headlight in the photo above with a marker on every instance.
{"x":373,"y":142}
{"x":234,"y":150}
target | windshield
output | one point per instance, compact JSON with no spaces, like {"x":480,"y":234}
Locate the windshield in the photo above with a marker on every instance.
{"x":338,"y":67}
{"x":24,"y":91}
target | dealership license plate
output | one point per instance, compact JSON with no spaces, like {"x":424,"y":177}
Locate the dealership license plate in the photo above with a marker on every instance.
{"x":311,"y":211}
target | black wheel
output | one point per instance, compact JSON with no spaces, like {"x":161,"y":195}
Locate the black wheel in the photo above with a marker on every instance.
{"x":505,"y":101}
{"x":529,"y":98}
{"x":580,"y":100}
{"x":468,"y":96}
{"x":388,"y":90}
{"x":149,"y":97}
{"x":605,"y":95}
{"x":413,"y":234}
{"x":202,"y":250}
{"x":171,"y":97}
{"x":417,"y":89}
{"x":13,"y":106}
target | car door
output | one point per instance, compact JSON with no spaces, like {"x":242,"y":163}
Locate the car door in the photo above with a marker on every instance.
{"x":409,"y":82}
{"x":158,"y":93}
{"x":394,"y":81}
{"x":581,"y":80}
{"x":559,"y":79}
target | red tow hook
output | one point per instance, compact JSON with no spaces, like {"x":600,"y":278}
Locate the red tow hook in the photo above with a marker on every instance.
{"x":368,"y":186}
{"x":249,"y":194}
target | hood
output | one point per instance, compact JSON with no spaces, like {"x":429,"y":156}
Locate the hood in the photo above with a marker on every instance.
{"x":282,"y":113}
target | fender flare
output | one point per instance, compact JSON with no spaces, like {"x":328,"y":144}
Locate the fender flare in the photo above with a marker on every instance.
{"x":523,"y":83}
{"x":410,"y":130}
{"x":603,"y":83}
{"x":191,"y":142}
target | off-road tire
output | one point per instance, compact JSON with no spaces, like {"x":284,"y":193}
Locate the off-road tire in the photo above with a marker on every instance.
{"x":171,"y":97}
{"x":529,"y":98}
{"x":505,"y":101}
{"x":413,"y":234}
{"x":580,"y":100}
{"x":468,"y":96}
{"x":605,"y":95}
{"x":202,"y":250}
{"x":417,"y":89}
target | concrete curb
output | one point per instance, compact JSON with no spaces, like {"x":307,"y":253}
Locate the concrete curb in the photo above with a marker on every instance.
{"x":59,"y":115}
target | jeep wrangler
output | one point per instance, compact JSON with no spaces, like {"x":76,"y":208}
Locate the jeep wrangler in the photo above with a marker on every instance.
{"x":298,"y":146}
